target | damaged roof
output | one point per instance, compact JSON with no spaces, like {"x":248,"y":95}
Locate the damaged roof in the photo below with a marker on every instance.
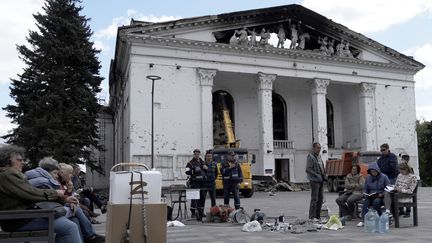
{"x":311,"y":21}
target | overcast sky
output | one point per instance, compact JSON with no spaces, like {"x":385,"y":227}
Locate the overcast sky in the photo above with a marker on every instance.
{"x":402,"y":25}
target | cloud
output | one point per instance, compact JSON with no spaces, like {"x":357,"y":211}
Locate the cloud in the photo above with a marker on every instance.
{"x":423,"y":54}
{"x":100,"y":45}
{"x":104,"y":38}
{"x":5,"y":125}
{"x":368,"y":16}
{"x":111,"y":30}
{"x":15,"y":21}
{"x":424,"y":112}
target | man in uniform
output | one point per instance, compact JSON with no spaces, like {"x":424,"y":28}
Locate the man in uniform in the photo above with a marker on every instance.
{"x":210,"y":184}
{"x":232,"y":176}
{"x":196,"y":170}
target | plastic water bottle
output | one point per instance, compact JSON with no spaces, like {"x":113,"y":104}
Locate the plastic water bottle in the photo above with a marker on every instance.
{"x":324,"y":211}
{"x":343,"y":220}
{"x":384,"y":223}
{"x":377,"y":218}
{"x":370,"y":221}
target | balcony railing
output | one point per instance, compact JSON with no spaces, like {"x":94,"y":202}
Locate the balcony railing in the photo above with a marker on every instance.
{"x":282,"y":144}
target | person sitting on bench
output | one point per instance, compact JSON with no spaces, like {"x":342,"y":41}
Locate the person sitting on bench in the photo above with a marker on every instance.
{"x":354,"y":183}
{"x":17,"y":194}
{"x":405,"y":183}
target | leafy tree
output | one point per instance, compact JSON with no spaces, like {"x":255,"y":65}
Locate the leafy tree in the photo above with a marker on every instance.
{"x":56,"y":108}
{"x":424,"y":136}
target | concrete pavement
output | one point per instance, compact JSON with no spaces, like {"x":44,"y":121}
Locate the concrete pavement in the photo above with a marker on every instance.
{"x":295,"y":205}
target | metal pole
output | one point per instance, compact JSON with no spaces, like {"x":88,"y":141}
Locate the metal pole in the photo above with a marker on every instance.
{"x":152,"y":127}
{"x":152,"y":78}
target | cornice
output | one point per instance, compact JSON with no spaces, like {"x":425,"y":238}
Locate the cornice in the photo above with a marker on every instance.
{"x":275,"y":52}
{"x":243,"y":17}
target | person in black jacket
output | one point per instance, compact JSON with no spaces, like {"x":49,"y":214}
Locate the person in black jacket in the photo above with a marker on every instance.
{"x":210,"y":184}
{"x":232,"y":176}
{"x":388,"y":163}
{"x":196,"y":170}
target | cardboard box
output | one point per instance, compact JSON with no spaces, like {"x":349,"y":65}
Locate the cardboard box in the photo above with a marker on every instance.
{"x":117,"y":217}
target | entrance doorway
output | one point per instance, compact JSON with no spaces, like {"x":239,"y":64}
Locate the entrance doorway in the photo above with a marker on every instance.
{"x":282,"y":169}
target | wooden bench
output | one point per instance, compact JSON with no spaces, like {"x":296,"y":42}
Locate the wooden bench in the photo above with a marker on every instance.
{"x":412,"y":203}
{"x":28,"y":236}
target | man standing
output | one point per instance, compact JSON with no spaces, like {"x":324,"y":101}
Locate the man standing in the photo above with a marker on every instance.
{"x":316,"y":175}
{"x":210,"y":184}
{"x":195,"y":169}
{"x":388,"y":163}
{"x":232,"y":176}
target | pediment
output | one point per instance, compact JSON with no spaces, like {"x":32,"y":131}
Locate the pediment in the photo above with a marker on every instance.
{"x":300,"y":29}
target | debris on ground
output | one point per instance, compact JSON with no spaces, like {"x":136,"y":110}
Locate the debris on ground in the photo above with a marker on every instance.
{"x":175,"y":223}
{"x":271,"y":185}
{"x":253,"y":226}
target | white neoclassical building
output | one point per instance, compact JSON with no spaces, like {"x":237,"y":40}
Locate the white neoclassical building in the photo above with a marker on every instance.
{"x":328,"y":84}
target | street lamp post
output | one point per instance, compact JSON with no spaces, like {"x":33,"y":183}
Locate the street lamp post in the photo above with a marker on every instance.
{"x":152,"y":78}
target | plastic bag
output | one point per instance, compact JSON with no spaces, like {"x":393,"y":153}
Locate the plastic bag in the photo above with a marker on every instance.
{"x":253,"y":226}
{"x":175,"y":223}
{"x":334,"y":223}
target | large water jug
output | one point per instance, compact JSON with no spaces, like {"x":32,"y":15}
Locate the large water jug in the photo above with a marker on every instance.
{"x":370,"y":221}
{"x":384,"y":223}
{"x":377,"y":218}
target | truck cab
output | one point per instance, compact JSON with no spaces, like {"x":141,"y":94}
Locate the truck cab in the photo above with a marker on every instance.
{"x":337,"y":169}
{"x":220,"y":156}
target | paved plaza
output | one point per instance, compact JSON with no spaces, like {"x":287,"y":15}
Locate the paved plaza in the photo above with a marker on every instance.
{"x":295,"y":205}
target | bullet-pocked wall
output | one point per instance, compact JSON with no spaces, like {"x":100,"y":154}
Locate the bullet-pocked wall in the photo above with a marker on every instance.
{"x":176,"y":110}
{"x":396,"y":118}
{"x":372,"y":96}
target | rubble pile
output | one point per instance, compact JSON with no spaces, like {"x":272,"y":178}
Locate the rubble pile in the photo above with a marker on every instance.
{"x":270,"y":184}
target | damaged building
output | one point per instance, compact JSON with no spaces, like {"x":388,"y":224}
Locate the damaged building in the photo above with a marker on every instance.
{"x":287,"y":75}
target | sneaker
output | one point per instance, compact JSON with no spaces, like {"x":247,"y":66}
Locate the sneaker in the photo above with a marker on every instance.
{"x":103,"y":209}
{"x":95,"y":239}
{"x":360,"y":224}
{"x":93,"y":214}
{"x":94,"y":221}
{"x":407,"y":215}
{"x":315,"y":220}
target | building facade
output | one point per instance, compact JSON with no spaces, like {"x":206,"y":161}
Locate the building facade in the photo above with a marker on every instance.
{"x":288,"y":76}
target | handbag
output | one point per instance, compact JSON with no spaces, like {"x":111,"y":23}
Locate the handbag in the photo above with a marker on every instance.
{"x":59,"y":210}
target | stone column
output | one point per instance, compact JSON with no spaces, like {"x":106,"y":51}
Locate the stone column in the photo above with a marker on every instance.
{"x":319,"y":113}
{"x":265,"y":118}
{"x":206,"y":77}
{"x":367,"y":116}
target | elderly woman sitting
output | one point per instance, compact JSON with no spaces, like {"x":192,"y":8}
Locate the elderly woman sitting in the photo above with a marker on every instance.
{"x":17,"y":194}
{"x":46,"y":176}
{"x":405,"y":183}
